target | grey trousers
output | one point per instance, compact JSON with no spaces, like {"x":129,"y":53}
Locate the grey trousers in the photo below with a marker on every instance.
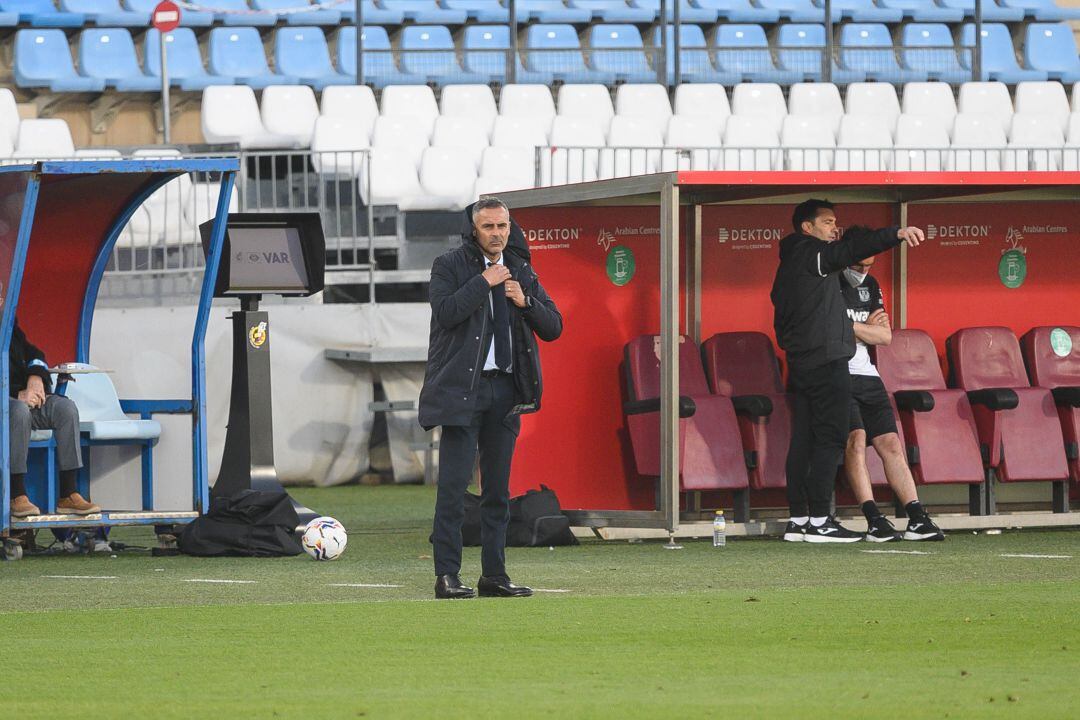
{"x":58,"y":414}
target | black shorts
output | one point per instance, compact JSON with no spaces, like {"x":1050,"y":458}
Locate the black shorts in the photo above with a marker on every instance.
{"x":870,"y":407}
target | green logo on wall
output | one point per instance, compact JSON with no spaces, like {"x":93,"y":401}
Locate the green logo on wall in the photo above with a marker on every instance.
{"x":1061,"y":342}
{"x":1012,"y":269}
{"x":620,"y":265}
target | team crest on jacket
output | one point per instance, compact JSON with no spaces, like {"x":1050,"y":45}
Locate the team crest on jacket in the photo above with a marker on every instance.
{"x":257,"y":335}
{"x":864,"y":294}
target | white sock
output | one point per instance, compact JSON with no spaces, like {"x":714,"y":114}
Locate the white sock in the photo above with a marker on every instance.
{"x":818,"y":521}
{"x":801,"y":520}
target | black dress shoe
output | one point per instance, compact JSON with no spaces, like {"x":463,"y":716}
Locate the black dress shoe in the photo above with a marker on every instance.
{"x":501,"y":587}
{"x":449,"y":587}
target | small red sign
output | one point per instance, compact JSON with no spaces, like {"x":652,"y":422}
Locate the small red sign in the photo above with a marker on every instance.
{"x":166,"y":17}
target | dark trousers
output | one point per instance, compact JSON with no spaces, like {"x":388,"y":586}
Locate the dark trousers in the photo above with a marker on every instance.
{"x":494,"y":436}
{"x":819,"y":430}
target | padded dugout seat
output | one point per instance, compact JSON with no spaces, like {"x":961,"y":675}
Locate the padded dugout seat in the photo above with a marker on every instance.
{"x":100,"y":415}
{"x":710,"y":452}
{"x":1019,"y":432}
{"x":1054,"y":363}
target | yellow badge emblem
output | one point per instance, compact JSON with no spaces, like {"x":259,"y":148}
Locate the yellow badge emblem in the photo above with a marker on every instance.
{"x":257,"y":335}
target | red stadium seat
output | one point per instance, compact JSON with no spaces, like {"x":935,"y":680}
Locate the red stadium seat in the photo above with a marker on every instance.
{"x":1019,"y":433}
{"x":1054,"y":363}
{"x":740,"y":364}
{"x":710,"y":455}
{"x":937,"y":422}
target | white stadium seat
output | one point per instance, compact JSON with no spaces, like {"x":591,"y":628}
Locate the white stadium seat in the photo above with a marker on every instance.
{"x":865,"y":143}
{"x":506,"y":168}
{"x":763,"y":101}
{"x":355,"y":103}
{"x":203,"y":203}
{"x":807,"y":141}
{"x":572,"y":158}
{"x":44,"y":138}
{"x":821,"y":100}
{"x":976,"y":143}
{"x":9,"y":117}
{"x":1043,"y":98}
{"x":1035,"y":142}
{"x":336,"y":147}
{"x":749,"y":144}
{"x":1071,"y":157}
{"x":460,"y":132}
{"x":394,"y":179}
{"x":520,"y":131}
{"x":290,"y":110}
{"x":591,"y":101}
{"x":527,"y":100}
{"x":644,"y":102}
{"x":406,"y":132}
{"x":470,"y":101}
{"x":700,"y":140}
{"x":922,"y":143}
{"x":705,"y":101}
{"x":633,"y":148}
{"x":448,"y":178}
{"x":986,"y":98}
{"x":876,"y":99}
{"x":231,"y":115}
{"x":96,"y":153}
{"x":414,"y":100}
{"x":930,"y":99}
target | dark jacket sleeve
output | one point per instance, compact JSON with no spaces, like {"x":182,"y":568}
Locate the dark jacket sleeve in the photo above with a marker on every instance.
{"x":543,"y":317}
{"x":34,"y":357}
{"x":452,"y":305}
{"x":858,"y":243}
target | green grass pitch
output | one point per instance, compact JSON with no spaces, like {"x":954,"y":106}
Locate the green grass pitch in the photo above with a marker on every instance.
{"x":759,"y":629}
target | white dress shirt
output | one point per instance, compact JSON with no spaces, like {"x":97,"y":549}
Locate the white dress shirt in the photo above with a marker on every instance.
{"x":489,"y":363}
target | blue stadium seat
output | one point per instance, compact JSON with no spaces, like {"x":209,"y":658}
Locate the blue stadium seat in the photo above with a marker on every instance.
{"x":427,"y":12}
{"x":795,"y":10}
{"x":330,"y":16}
{"x":998,"y":54}
{"x":555,"y":50}
{"x":109,"y":54}
{"x":428,"y":51}
{"x":106,"y":12}
{"x":862,"y":11}
{"x":991,"y":11}
{"x":868,"y":48}
{"x":1045,"y":10}
{"x":925,"y":10}
{"x":740,"y":11}
{"x":480,"y":10}
{"x":238,"y":53}
{"x":617,"y":49}
{"x":486,"y":48}
{"x":43,"y":59}
{"x":935,"y":55}
{"x":42,"y":13}
{"x":1050,"y":47}
{"x":799,"y":49}
{"x":302,"y":52}
{"x":694,"y":62}
{"x":185,"y":63}
{"x":379,"y":67}
{"x":373,"y":14}
{"x":9,"y":19}
{"x":687,"y":13}
{"x":550,"y":11}
{"x":614,"y":11}
{"x":742,"y":55}
{"x":188,"y":18}
{"x":239,"y":14}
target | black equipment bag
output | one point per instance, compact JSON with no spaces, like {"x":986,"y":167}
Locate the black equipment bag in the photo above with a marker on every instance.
{"x":251,"y":523}
{"x":536,"y":520}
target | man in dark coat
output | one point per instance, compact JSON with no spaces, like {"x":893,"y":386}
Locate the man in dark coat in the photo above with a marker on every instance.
{"x":813,"y":328}
{"x":483,"y":373}
{"x":33,"y":406}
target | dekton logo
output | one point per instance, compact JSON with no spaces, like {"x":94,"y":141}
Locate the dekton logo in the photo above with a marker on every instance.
{"x":552,"y":234}
{"x":723,"y":235}
{"x":749,"y":238}
{"x":957,"y":231}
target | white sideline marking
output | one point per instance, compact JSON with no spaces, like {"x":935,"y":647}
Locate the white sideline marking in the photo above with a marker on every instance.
{"x":236,"y":582}
{"x":1054,"y":557}
{"x":897,"y":552}
{"x":363,"y":585}
{"x":553,"y":590}
{"x":82,"y":577}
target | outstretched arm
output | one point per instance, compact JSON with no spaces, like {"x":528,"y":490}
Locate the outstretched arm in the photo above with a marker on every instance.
{"x":859,"y":243}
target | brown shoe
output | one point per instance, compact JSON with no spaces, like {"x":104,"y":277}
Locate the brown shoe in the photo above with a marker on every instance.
{"x":76,"y":504}
{"x":22,"y":507}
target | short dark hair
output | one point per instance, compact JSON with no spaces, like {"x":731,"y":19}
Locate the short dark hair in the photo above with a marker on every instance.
{"x":807,"y":211}
{"x":487,"y":203}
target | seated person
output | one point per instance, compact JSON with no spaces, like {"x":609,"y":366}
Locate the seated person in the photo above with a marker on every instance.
{"x":33,"y":406}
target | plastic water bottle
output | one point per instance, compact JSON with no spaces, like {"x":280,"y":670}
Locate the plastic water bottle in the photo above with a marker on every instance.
{"x":719,"y":530}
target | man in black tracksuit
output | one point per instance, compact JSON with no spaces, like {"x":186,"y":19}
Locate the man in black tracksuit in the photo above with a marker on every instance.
{"x":815,"y":332}
{"x":483,"y":373}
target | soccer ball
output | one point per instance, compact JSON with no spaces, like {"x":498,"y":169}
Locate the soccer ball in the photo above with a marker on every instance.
{"x":324,"y":538}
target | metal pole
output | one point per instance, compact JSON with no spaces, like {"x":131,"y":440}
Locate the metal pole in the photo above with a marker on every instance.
{"x":511,"y":62}
{"x":693,"y":275}
{"x":901,"y":274}
{"x":164,"y":89}
{"x":677,"y":41}
{"x":359,"y":42}
{"x":976,"y":59}
{"x":826,"y":62}
{"x":669,"y":354}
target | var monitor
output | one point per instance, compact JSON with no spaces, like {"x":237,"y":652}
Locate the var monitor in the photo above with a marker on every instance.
{"x":269,"y":253}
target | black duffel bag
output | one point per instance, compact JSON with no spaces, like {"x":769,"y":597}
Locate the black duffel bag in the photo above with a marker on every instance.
{"x":536,"y":520}
{"x":251,"y":523}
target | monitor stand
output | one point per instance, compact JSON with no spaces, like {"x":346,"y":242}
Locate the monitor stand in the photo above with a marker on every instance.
{"x":248,"y":460}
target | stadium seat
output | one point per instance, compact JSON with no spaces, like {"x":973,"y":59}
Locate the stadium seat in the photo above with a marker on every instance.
{"x":922,"y":143}
{"x":929,"y":49}
{"x":697,"y":140}
{"x":863,"y":11}
{"x":694,"y":62}
{"x":336,"y":147}
{"x":322,"y":16}
{"x":987,"y":98}
{"x":801,"y":48}
{"x":864,"y":143}
{"x":428,"y":51}
{"x":1051,"y":48}
{"x":162,"y":215}
{"x":428,"y":12}
{"x":379,"y":67}
{"x":186,"y":69}
{"x":405,"y":133}
{"x":820,"y":99}
{"x":238,"y":53}
{"x":742,"y":365}
{"x":417,"y":101}
{"x":742,"y":55}
{"x":550,"y":11}
{"x":555,"y":51}
{"x":808,"y":142}
{"x":930,"y":99}
{"x":876,"y":99}
{"x":634,"y":148}
{"x":991,"y":11}
{"x":448,"y":178}
{"x":231,"y":115}
{"x":43,"y":138}
{"x":302,"y":52}
{"x":486,"y":50}
{"x":762,"y":101}
{"x":645,"y":103}
{"x":740,"y":11}
{"x":1035,"y":142}
{"x":591,"y":101}
{"x":704,"y":102}
{"x":798,"y":11}
{"x":868,"y":49}
{"x":41,"y":13}
{"x":614,"y":11}
{"x":100,"y":415}
{"x":9,"y":117}
{"x":618,"y":50}
{"x":999,"y":56}
{"x":1071,"y":154}
{"x":109,"y":54}
{"x":520,"y":130}
{"x":711,"y":455}
{"x":976,"y":143}
{"x":506,"y":168}
{"x":1043,"y":10}
{"x":237,"y":12}
{"x":1052,"y":356}
{"x":105,"y":13}
{"x":687,"y":13}
{"x":188,"y":18}
{"x":43,"y":59}
{"x":574,"y":155}
{"x":354,"y":103}
{"x":925,"y":11}
{"x":373,"y":14}
{"x":470,"y":101}
{"x":1019,"y":431}
{"x":528,"y":101}
{"x":460,"y":132}
{"x":942,"y":444}
{"x":290,"y":111}
{"x":393,"y":179}
{"x":485,"y":11}
{"x":203,"y":205}
{"x":1044,"y":98}
{"x":750,"y":144}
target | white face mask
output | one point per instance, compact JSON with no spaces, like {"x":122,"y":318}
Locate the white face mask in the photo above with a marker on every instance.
{"x":855,"y":278}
